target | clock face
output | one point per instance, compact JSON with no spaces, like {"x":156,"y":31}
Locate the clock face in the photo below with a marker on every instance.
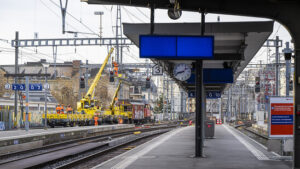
{"x":182,"y":72}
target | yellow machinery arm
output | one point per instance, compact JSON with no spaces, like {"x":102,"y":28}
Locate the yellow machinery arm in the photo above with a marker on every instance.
{"x":97,"y":78}
{"x":115,"y":95}
{"x":87,"y":103}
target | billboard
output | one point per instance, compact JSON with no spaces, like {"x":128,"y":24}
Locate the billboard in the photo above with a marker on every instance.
{"x":281,"y":117}
{"x":176,"y":47}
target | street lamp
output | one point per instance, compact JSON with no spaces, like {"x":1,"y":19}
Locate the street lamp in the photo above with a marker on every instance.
{"x":100,"y":13}
{"x":46,"y":86}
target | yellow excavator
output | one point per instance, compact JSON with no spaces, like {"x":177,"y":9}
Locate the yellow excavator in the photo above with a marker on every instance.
{"x":88,"y":105}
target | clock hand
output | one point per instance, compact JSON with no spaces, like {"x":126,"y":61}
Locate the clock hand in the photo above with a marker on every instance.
{"x":179,"y":72}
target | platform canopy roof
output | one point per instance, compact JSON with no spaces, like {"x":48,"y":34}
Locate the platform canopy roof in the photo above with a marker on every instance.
{"x":236,"y":43}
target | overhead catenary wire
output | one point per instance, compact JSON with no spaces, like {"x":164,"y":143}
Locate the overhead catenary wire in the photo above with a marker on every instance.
{"x":265,"y":49}
{"x":51,"y":10}
{"x":31,"y":50}
{"x":147,"y":17}
{"x":78,"y":20}
{"x":133,"y":15}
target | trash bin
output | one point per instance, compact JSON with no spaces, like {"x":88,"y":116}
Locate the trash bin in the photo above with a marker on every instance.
{"x":209,"y":128}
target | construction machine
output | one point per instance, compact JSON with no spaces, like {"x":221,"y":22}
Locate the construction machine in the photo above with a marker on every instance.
{"x":88,"y":105}
{"x":112,"y":114}
{"x":116,"y":113}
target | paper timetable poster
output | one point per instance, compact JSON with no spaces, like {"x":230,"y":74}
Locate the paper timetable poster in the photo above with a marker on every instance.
{"x":281,"y":117}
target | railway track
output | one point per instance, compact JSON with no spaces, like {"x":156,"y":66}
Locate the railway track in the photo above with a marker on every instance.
{"x":66,"y":154}
{"x":254,"y":135}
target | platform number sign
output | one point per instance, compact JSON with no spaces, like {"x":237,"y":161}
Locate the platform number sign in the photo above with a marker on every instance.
{"x":18,"y":87}
{"x":213,"y":94}
{"x":36,"y":87}
{"x":157,"y":70}
{"x":192,"y":94}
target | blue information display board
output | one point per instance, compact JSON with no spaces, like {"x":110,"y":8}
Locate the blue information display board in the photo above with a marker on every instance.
{"x":211,"y":76}
{"x":18,"y":87}
{"x":176,"y":47}
{"x":214,"y":76}
{"x":32,"y":87}
{"x":36,"y":87}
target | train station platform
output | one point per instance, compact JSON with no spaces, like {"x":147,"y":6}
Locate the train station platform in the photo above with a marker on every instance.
{"x":230,"y":149}
{"x":19,"y":140}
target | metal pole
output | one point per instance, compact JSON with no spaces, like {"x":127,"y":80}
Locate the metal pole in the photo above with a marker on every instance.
{"x":101,"y":26}
{"x":79,"y":89}
{"x":26,"y":104}
{"x":46,"y":82}
{"x":86,"y":78}
{"x":220,"y":109}
{"x":164,"y":106}
{"x":117,"y":37}
{"x":16,"y":72}
{"x":199,"y":109}
{"x":181,"y":100}
{"x":172,"y":101}
{"x":230,"y":102}
{"x":54,"y":59}
{"x":288,"y":72}
{"x":168,"y":97}
{"x":148,"y":75}
{"x":277,"y":67}
{"x":152,"y":18}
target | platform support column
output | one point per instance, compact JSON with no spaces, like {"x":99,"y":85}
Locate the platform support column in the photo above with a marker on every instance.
{"x":296,"y":162}
{"x":152,"y":17}
{"x":199,"y":109}
{"x":27,"y":104}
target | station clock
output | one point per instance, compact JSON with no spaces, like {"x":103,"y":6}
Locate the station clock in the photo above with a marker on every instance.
{"x":182,"y":71}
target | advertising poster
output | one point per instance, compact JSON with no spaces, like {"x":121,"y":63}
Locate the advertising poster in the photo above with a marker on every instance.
{"x":281,"y":117}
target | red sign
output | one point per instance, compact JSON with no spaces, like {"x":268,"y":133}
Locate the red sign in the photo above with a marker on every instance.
{"x":281,"y":117}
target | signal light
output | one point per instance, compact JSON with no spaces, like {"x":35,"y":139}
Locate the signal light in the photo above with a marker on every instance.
{"x":111,"y":76}
{"x":148,"y":85}
{"x":291,"y":85}
{"x":82,"y":82}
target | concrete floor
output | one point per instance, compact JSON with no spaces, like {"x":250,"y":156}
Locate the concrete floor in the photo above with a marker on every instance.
{"x":175,"y":150}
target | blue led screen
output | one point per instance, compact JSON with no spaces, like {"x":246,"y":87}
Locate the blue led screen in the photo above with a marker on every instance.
{"x":176,"y":47}
{"x":156,"y":46}
{"x":214,"y":76}
{"x":195,"y":47}
{"x":217,"y":76}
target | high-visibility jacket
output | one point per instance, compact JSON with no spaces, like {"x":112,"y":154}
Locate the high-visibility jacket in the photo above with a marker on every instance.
{"x":69,"y":109}
{"x":62,"y":109}
{"x":58,"y":110}
{"x":116,"y":68}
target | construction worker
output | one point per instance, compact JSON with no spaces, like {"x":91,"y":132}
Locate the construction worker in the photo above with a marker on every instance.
{"x":58,"y":109}
{"x":116,"y":68}
{"x":69,"y":109}
{"x":62,"y":110}
{"x":96,"y":120}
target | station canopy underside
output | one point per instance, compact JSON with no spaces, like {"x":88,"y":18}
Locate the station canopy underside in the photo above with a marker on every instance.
{"x":236,"y":43}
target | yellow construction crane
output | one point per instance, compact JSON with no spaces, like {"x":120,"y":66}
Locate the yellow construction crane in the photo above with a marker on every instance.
{"x":112,"y":114}
{"x":87,"y":105}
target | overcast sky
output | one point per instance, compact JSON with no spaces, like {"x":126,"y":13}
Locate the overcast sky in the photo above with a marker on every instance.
{"x":44,"y":17}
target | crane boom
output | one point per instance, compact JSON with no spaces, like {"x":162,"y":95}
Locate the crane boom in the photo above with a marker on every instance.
{"x":97,"y":78}
{"x":115,"y":95}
